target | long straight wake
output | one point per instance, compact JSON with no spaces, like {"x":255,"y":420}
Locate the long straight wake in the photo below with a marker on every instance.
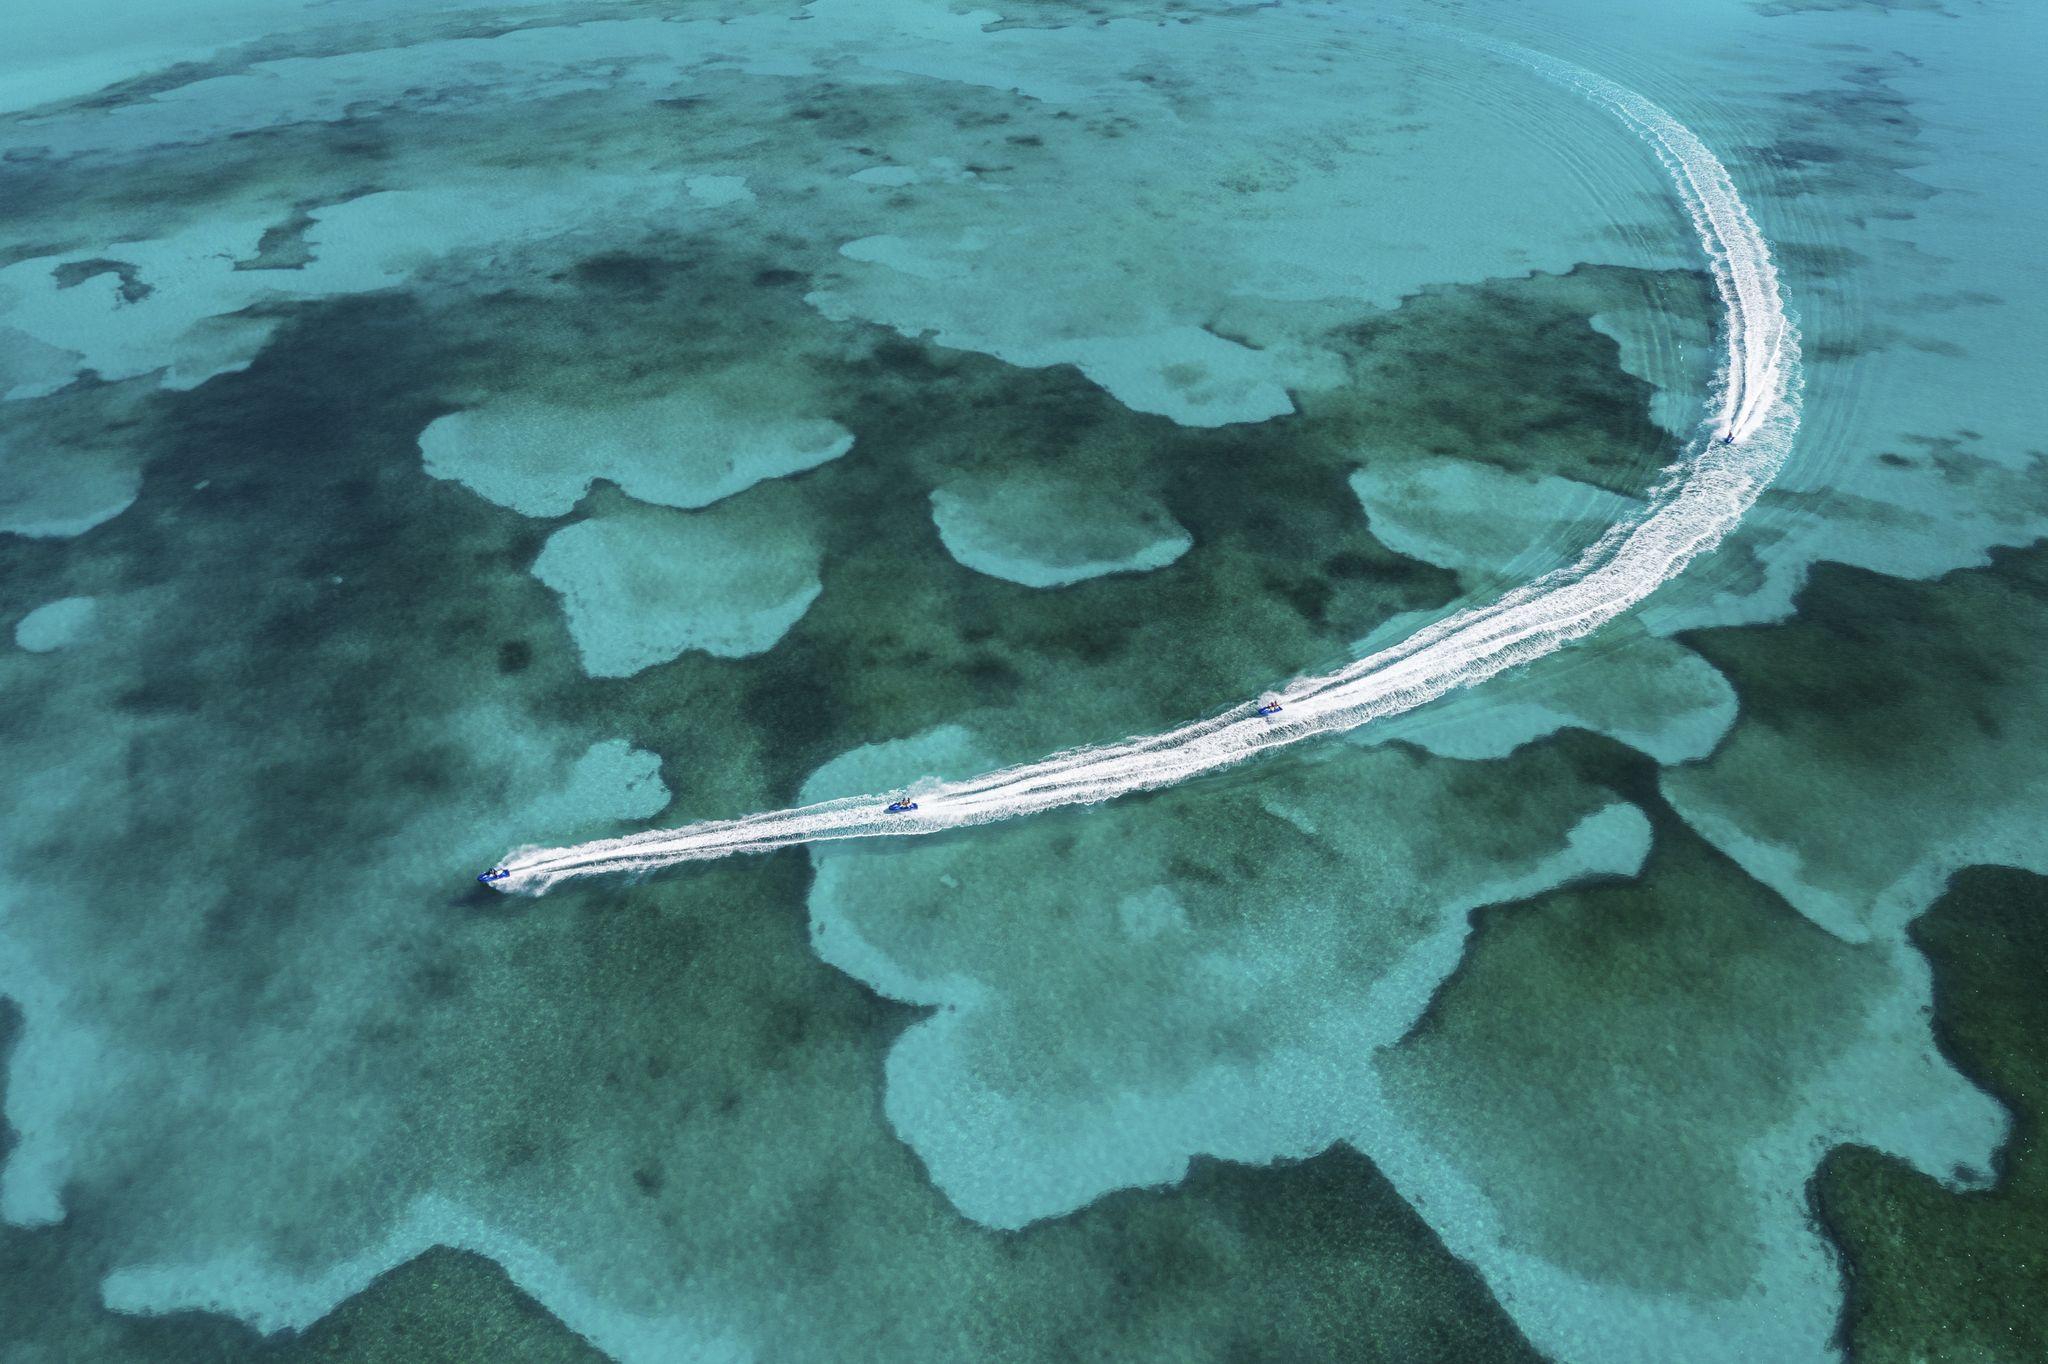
{"x":1703,"y":495}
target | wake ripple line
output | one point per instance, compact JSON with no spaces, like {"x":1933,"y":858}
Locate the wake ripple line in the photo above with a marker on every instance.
{"x":1700,"y":498}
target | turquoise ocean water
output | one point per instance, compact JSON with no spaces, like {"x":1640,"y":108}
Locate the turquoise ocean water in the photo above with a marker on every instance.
{"x":430,"y":429}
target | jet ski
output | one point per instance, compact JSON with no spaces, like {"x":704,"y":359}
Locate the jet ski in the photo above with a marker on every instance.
{"x":901,"y":807}
{"x":1728,"y":439}
{"x":495,"y":874}
{"x":1269,"y":708}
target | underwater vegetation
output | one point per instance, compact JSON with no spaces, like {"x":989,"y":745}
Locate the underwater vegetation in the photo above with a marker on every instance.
{"x":427,"y":431}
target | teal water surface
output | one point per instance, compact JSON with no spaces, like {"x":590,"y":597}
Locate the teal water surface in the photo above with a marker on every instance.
{"x":430,"y":429}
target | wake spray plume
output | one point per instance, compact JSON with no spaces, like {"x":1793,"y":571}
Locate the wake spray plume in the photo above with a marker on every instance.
{"x":1753,"y":415}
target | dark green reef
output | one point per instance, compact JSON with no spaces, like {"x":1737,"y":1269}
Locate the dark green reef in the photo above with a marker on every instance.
{"x":1935,"y":1274}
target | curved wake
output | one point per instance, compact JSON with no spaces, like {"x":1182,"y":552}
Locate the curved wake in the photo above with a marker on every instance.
{"x":1703,"y":495}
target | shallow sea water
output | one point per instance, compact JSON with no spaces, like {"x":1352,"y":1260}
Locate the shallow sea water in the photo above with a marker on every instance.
{"x":429,"y":429}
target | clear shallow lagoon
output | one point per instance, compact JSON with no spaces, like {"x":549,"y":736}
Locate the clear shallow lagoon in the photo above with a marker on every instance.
{"x":430,"y":430}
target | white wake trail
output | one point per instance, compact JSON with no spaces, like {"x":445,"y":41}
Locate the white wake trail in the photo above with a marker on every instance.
{"x":1703,"y":496}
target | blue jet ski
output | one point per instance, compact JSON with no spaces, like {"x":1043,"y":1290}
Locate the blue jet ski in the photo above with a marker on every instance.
{"x":1728,"y":439}
{"x":1270,"y":708}
{"x":901,"y":807}
{"x":495,"y":874}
